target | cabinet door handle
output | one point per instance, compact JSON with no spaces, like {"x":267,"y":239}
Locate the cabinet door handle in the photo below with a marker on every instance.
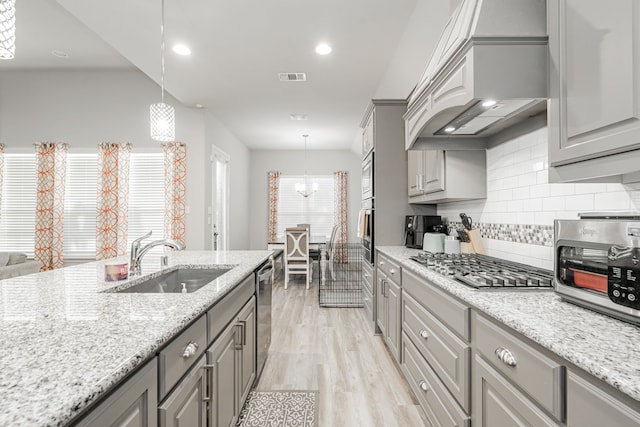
{"x":190,"y":350}
{"x":208,"y":385}
{"x":505,"y":356}
{"x":424,"y":334}
{"x":243,"y":325}
{"x":381,"y":263}
{"x":423,"y":386}
{"x":392,"y":271}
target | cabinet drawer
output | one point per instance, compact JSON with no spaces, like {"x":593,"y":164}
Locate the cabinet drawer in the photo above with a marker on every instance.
{"x":389,"y":267}
{"x":441,"y":409}
{"x":589,"y":405}
{"x":448,"y":310}
{"x":219,"y":316}
{"x":496,"y":402}
{"x":532,"y":371}
{"x":176,"y":358}
{"x":367,"y":300}
{"x":448,"y":355}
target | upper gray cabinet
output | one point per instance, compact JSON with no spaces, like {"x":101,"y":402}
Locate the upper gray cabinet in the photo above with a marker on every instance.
{"x":594,"y":90}
{"x":438,"y":176}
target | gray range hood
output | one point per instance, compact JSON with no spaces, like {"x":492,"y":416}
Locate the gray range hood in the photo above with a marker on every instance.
{"x":487,"y":73}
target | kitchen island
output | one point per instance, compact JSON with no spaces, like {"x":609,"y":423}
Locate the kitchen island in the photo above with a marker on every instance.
{"x":67,"y":340}
{"x":598,"y":353}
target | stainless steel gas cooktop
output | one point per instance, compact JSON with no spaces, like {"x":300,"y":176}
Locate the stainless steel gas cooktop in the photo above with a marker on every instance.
{"x":485,"y":272}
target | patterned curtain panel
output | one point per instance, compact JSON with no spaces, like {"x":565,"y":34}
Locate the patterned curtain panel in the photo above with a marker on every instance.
{"x":274,"y":189}
{"x":175,"y":175}
{"x":1,"y":170}
{"x":51,"y":165}
{"x":340,"y":213}
{"x":113,"y":199}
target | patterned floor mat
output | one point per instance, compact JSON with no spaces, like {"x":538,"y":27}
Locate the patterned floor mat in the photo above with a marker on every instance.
{"x":280,"y":409}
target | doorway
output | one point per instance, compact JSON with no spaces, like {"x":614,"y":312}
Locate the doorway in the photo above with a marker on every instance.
{"x":219,"y":215}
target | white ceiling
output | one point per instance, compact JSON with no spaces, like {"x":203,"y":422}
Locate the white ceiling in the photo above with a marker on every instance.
{"x":239,"y":47}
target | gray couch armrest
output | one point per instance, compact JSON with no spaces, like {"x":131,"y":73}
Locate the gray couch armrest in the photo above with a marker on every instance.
{"x":21,"y":269}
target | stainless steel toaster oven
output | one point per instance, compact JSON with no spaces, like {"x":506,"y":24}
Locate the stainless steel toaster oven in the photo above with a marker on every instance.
{"x":597,"y":263}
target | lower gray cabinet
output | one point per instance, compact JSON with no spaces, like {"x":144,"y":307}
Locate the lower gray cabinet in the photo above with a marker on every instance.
{"x":496,"y":402}
{"x":133,"y":404}
{"x":232,"y":361}
{"x":589,"y":405}
{"x":187,"y":404}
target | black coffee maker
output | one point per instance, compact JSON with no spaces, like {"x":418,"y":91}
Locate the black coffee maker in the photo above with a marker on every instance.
{"x":416,"y":225}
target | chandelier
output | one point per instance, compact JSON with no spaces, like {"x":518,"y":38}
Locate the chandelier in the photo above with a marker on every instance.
{"x":303,"y":187}
{"x":7,"y":29}
{"x":163,"y":116}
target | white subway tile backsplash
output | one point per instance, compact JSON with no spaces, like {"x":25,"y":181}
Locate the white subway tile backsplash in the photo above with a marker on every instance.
{"x":582,"y":202}
{"x":612,"y":201}
{"x":521,"y":204}
{"x":553,"y":203}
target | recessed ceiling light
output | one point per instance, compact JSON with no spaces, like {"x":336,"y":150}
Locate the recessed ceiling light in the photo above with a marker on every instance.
{"x":298,"y":116}
{"x":199,"y":106}
{"x":489,"y":103}
{"x":59,"y":54}
{"x":323,"y":49}
{"x":449,"y":129}
{"x":181,"y":49}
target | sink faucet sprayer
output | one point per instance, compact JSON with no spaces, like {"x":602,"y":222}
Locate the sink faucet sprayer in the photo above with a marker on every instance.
{"x":137,"y":252}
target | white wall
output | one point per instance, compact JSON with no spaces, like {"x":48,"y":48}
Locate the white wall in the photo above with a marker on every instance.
{"x":89,"y":107}
{"x":291,"y":162}
{"x":240,"y":192}
{"x":415,"y":48}
{"x":518,"y":192}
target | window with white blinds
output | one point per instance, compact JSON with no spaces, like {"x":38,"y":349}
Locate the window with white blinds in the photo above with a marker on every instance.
{"x":316,"y":210}
{"x":146,"y":198}
{"x":18,"y":210}
{"x":80,"y":206}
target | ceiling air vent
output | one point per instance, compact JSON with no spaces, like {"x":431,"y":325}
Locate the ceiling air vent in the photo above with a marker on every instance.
{"x":292,"y":77}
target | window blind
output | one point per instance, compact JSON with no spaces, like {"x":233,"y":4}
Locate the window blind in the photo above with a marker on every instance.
{"x":80,"y":206}
{"x":146,"y":198}
{"x":17,"y":214}
{"x":316,"y":210}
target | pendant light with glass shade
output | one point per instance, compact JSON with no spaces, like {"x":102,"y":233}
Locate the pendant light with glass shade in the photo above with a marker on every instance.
{"x":162,"y":116}
{"x":7,"y":29}
{"x":303,"y":187}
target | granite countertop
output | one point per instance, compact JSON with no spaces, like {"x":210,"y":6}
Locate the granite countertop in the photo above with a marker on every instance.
{"x":605,"y":347}
{"x":65,"y":342}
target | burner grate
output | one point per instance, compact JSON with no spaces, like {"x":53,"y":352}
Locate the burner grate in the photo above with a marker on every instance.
{"x":486,"y":272}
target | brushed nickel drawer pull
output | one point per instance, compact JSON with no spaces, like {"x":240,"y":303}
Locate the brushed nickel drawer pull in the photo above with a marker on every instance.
{"x":505,"y":356}
{"x":424,"y":334}
{"x":208,"y":370}
{"x":423,"y":386}
{"x":190,"y":350}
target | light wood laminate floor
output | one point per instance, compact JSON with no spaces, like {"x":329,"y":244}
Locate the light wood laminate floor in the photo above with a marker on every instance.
{"x":333,"y":350}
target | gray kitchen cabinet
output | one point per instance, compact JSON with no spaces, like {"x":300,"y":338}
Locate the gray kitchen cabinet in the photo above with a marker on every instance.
{"x":425,"y":172}
{"x":367,"y":293}
{"x":436,"y":355}
{"x":594,"y":81}
{"x":539,"y":376}
{"x":388,"y":297}
{"x":368,"y":140}
{"x":438,"y":176}
{"x":187,"y":404}
{"x":232,"y":361}
{"x":496,"y":402}
{"x":133,"y":404}
{"x":590,"y":405}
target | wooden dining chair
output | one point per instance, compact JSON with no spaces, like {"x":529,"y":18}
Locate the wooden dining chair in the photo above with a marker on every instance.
{"x":296,"y":252}
{"x":329,"y":253}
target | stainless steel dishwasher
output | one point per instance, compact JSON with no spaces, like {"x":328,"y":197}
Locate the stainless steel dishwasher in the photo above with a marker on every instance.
{"x":264,"y":285}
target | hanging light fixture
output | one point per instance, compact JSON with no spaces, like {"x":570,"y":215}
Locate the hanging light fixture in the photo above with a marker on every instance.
{"x":163,"y":116}
{"x":7,"y":29}
{"x":303,"y":187}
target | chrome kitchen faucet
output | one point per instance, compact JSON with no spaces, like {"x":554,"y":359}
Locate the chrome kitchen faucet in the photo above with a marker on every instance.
{"x":137,"y":252}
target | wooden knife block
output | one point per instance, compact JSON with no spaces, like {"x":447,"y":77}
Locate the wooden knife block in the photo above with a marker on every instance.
{"x":476,"y":241}
{"x":466,"y":248}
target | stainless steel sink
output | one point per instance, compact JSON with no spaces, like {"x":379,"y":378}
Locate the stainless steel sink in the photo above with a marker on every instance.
{"x":182,"y":280}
